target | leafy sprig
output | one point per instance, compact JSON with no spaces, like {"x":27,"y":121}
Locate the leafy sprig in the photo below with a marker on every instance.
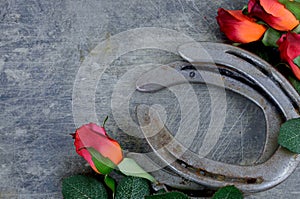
{"x":129,"y":187}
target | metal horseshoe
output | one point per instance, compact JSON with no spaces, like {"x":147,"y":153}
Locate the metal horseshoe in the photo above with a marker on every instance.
{"x":242,"y":73}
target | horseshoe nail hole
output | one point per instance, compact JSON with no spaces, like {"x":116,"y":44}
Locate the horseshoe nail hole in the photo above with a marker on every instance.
{"x":192,"y":74}
{"x":188,"y":67}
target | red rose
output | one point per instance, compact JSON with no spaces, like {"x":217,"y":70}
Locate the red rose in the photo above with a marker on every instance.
{"x":94,"y":136}
{"x":289,"y":47}
{"x":273,"y":13}
{"x":239,"y":27}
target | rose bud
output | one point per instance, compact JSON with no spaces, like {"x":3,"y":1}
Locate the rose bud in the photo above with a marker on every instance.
{"x":289,"y":47}
{"x":97,"y":148}
{"x":239,"y":27}
{"x":273,"y":13}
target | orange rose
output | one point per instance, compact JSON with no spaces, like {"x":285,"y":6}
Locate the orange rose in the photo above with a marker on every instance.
{"x":273,"y":13}
{"x":92,"y":136}
{"x":239,"y":27}
{"x":289,"y":47}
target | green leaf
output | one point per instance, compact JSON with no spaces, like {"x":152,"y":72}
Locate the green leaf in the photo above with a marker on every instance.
{"x":245,"y":10}
{"x":132,"y":188}
{"x":82,"y":187}
{"x":270,"y":38}
{"x":262,"y":23}
{"x":293,"y":6}
{"x":289,"y":135}
{"x":110,"y":183}
{"x":297,"y":29}
{"x":169,"y":195}
{"x":130,"y":168}
{"x":228,"y":192}
{"x":104,"y":165}
{"x":295,"y":82}
{"x":297,"y":61}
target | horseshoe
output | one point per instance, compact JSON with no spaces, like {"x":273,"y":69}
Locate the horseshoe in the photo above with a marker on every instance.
{"x":245,"y":74}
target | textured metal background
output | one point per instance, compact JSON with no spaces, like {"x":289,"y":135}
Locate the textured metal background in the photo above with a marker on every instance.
{"x":43,"y":43}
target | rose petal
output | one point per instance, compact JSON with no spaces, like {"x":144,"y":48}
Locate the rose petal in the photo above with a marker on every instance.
{"x":273,"y":13}
{"x":82,"y":151}
{"x":289,"y":47}
{"x":239,"y":27}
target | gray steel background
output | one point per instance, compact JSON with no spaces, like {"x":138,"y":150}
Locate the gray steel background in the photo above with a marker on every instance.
{"x":43,"y":43}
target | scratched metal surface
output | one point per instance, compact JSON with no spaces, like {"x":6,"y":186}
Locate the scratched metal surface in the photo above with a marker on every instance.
{"x":42,"y":45}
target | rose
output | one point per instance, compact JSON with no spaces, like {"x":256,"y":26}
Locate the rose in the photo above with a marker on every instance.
{"x":239,"y":27}
{"x":97,"y":148}
{"x":289,"y":47}
{"x":273,"y":13}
